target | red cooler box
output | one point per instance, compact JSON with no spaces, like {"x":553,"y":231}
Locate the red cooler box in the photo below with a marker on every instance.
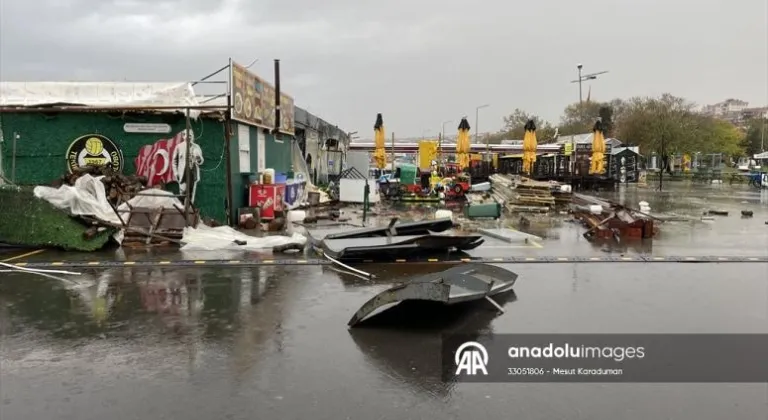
{"x":267,"y":197}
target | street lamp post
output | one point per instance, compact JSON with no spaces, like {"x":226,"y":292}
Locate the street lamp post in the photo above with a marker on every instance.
{"x":442,"y":130}
{"x":477,"y":131}
{"x":440,"y":142}
{"x":585,"y":77}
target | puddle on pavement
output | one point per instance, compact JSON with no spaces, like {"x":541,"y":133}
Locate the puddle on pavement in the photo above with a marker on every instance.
{"x":277,"y":336}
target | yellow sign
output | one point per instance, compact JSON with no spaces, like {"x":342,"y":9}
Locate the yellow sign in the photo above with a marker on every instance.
{"x":427,"y":153}
{"x":568,"y":149}
{"x":253,"y":101}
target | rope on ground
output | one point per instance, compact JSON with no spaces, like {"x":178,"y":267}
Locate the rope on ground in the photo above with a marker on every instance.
{"x":352,"y":269}
{"x":28,"y":254}
{"x":39,"y":272}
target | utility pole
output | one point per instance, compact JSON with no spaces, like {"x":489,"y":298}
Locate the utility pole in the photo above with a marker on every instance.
{"x":442,"y":130}
{"x":477,"y":132}
{"x":663,"y":162}
{"x":441,"y":138}
{"x":393,"y":153}
{"x":583,"y":78}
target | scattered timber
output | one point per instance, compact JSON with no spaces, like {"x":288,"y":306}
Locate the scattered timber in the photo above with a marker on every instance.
{"x":614,"y":221}
{"x":521,"y":194}
{"x":119,"y":188}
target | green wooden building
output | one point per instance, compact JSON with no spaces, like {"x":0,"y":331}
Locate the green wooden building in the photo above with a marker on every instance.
{"x":47,"y":128}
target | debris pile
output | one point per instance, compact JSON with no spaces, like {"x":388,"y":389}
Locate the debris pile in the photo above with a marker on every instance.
{"x":524,"y":194}
{"x":119,"y":188}
{"x":607,"y":220}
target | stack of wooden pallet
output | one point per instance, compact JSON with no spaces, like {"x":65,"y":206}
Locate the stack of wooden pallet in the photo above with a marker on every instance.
{"x":523,"y":194}
{"x":534,"y":193}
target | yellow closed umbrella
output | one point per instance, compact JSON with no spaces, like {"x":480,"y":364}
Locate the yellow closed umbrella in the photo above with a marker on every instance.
{"x":379,"y":154}
{"x":462,"y":145}
{"x":597,"y":166}
{"x":529,"y":147}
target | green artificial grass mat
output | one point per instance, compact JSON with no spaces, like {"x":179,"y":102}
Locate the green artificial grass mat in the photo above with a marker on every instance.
{"x":28,"y":220}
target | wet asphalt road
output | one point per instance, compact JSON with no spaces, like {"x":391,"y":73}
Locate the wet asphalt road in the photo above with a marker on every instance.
{"x":272,"y":342}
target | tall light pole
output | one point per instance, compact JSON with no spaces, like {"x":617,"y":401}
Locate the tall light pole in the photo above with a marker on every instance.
{"x":442,"y":130}
{"x":440,"y":142}
{"x":477,"y":118}
{"x":585,"y":77}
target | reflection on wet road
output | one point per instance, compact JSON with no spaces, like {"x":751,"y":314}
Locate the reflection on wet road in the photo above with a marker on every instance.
{"x":272,"y":343}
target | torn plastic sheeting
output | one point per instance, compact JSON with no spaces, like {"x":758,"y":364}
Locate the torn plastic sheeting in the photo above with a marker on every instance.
{"x":206,"y":238}
{"x":89,"y":198}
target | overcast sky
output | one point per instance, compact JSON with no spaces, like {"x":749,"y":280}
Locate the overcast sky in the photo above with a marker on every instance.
{"x":419,"y":62}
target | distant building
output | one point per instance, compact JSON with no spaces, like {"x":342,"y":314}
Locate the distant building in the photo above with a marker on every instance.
{"x":759,"y":112}
{"x":729,"y":108}
{"x":734,"y":111}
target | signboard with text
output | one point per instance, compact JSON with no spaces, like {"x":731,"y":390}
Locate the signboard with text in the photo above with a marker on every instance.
{"x":253,"y":101}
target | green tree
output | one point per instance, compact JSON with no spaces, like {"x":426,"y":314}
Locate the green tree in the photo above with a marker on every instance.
{"x":579,"y":118}
{"x":514,"y":128}
{"x":606,"y":116}
{"x":670,"y":123}
{"x":718,"y":136}
{"x":755,"y":138}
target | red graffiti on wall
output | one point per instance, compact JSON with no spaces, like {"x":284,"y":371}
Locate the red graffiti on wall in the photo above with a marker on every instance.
{"x":156,"y":161}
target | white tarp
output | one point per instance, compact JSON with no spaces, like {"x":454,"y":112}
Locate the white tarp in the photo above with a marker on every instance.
{"x":100,"y":94}
{"x":88,"y":198}
{"x":206,"y":238}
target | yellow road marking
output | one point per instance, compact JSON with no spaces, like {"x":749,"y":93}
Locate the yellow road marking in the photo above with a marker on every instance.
{"x":466,"y":260}
{"x":129,"y":262}
{"x":94,"y":262}
{"x":658,"y":258}
{"x":535,"y":244}
{"x":268,"y":261}
{"x":531,"y":259}
{"x":400,"y":260}
{"x":164,"y":262}
{"x":234,"y":262}
{"x":301,"y":261}
{"x":20,"y":264}
{"x":433,"y":260}
{"x":57,"y":263}
{"x":200,"y":262}
{"x":28,"y":254}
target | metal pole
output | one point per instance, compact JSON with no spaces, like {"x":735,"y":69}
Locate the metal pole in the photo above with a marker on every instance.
{"x":227,"y":148}
{"x":188,"y":174}
{"x":663,"y":161}
{"x":477,"y":117}
{"x":211,"y":75}
{"x":393,"y":153}
{"x":227,"y":139}
{"x":13,"y":158}
{"x":277,"y":98}
{"x":580,"y":80}
{"x":439,"y":149}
